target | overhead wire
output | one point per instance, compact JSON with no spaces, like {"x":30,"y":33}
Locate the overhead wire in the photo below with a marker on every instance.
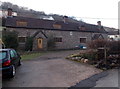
{"x":97,"y":18}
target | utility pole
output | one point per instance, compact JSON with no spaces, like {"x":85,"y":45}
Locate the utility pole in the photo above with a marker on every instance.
{"x":118,"y":32}
{"x":105,"y":54}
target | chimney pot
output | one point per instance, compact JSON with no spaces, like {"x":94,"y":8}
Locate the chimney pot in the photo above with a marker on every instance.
{"x":99,"y":23}
{"x":9,"y":12}
{"x":65,"y":18}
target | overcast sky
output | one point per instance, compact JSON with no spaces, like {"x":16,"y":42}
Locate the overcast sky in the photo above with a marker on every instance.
{"x":89,"y":11}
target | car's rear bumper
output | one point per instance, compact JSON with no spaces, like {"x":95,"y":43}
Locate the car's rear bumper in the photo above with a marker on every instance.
{"x":6,"y":70}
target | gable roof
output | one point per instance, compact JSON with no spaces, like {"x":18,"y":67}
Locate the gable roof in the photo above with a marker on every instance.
{"x":33,"y":23}
{"x":97,"y":36}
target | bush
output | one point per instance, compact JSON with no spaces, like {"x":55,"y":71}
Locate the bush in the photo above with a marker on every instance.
{"x":10,"y":39}
{"x":92,"y":55}
{"x":114,"y":47}
{"x":98,"y":43}
{"x":29,"y":44}
{"x":111,"y":45}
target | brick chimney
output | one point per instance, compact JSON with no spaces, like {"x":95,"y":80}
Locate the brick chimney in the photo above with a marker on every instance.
{"x":9,"y":12}
{"x":65,"y":19}
{"x":99,"y":23}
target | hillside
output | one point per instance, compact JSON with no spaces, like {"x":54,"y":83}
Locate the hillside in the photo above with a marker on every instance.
{"x":26,"y":12}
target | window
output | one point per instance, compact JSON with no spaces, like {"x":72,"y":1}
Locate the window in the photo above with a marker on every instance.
{"x":12,"y":54}
{"x":3,"y":55}
{"x":58,"y":39}
{"x":82,"y":40}
{"x":82,"y":27}
{"x":15,"y":53}
{"x":21,"y":23}
{"x":57,"y":26}
{"x":22,"y":39}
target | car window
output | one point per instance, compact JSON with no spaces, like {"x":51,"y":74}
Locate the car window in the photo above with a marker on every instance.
{"x":3,"y":55}
{"x":12,"y":54}
{"x":15,"y":53}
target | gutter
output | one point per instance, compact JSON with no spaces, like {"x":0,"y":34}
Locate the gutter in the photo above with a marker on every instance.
{"x":56,"y":29}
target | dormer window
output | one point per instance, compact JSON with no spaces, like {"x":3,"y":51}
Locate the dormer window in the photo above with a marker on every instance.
{"x":57,"y":26}
{"x":82,"y":27}
{"x":21,"y":23}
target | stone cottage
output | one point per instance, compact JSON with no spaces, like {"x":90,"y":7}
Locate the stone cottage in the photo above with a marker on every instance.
{"x":66,"y":35}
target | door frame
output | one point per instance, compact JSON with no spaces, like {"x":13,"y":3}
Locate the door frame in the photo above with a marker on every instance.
{"x":40,"y":44}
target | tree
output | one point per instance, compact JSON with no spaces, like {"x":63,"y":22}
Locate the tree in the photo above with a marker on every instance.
{"x":10,"y":39}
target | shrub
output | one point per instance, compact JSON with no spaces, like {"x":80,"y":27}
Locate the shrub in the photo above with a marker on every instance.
{"x":29,"y":44}
{"x":10,"y":39}
{"x":98,"y":43}
{"x":91,"y":56}
{"x":111,"y":45}
{"x":114,"y":47}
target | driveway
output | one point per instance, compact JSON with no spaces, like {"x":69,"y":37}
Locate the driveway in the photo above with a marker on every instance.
{"x":51,"y":70}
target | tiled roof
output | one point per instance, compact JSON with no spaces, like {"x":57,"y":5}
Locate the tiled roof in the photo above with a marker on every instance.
{"x":33,"y":23}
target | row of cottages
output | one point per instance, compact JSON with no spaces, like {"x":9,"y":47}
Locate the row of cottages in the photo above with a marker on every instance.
{"x":66,"y":35}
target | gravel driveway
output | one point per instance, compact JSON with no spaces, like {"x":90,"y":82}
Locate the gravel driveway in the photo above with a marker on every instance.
{"x":51,"y":70}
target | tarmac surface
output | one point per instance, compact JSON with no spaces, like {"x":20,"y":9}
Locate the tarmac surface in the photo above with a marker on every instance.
{"x":105,"y":80}
{"x":51,"y":70}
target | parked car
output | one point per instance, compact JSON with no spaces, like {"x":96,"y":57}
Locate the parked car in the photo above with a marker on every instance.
{"x":9,"y":60}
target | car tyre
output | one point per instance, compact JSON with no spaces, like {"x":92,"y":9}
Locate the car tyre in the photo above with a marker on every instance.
{"x":12,"y":72}
{"x":19,"y":63}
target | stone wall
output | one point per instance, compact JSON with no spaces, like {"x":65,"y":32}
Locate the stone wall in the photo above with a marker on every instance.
{"x":70,"y":39}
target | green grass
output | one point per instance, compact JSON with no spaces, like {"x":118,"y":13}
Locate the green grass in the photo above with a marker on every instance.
{"x":30,"y":56}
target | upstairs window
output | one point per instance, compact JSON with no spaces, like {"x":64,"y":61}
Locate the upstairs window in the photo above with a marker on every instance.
{"x":58,"y":39}
{"x":21,"y":23}
{"x":57,"y":26}
{"x":82,"y":40}
{"x":82,"y":27}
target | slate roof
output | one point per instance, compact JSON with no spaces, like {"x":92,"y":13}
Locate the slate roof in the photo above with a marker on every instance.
{"x":33,"y":23}
{"x":111,"y":31}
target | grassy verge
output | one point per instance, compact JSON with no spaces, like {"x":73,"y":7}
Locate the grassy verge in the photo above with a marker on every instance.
{"x":30,"y":56}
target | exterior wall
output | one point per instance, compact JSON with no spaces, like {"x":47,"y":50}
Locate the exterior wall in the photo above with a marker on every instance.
{"x":35,"y":44}
{"x":69,"y":39}
{"x":105,"y":36}
{"x":30,"y":32}
{"x":72,"y":39}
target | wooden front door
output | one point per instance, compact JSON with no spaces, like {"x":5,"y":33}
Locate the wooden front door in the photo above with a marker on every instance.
{"x":40,"y":43}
